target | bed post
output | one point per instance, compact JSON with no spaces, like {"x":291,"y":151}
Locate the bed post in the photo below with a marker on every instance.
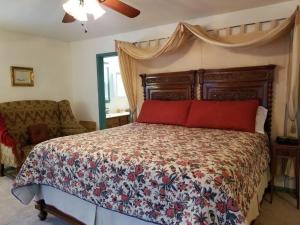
{"x":143,"y":77}
{"x":40,"y":205}
{"x":201,"y":79}
{"x":45,"y":209}
{"x":268,"y":124}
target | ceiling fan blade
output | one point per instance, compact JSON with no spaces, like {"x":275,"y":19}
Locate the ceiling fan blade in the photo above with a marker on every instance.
{"x":68,"y":18}
{"x":121,"y":7}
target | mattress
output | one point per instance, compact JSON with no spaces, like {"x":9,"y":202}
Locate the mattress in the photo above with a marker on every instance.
{"x":156,"y":173}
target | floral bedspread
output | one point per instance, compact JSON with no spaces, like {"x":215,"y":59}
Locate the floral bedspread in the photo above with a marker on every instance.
{"x":158,"y":173}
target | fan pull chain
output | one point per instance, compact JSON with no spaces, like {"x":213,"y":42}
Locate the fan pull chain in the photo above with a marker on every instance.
{"x":84,"y":27}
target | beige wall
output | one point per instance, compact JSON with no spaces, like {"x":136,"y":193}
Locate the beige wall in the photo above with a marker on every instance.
{"x":51,"y":60}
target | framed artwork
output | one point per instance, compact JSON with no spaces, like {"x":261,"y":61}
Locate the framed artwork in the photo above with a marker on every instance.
{"x":22,"y":76}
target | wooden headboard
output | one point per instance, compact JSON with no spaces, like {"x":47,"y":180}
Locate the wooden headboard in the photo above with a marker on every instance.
{"x":169,"y":86}
{"x":239,"y":83}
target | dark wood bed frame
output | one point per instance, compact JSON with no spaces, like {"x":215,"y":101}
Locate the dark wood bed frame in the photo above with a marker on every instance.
{"x":238,"y":83}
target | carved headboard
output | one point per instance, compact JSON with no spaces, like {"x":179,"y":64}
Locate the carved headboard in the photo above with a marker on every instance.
{"x":239,"y":83}
{"x":169,"y":86}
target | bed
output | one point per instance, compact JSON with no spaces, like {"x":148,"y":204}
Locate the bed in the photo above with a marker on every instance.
{"x":145,"y":174}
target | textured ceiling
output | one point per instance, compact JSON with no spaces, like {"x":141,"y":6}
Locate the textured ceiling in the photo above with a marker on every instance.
{"x":43,"y":17}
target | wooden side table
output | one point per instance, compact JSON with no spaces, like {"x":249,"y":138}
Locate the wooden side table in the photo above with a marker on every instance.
{"x":117,"y":119}
{"x":285,"y":151}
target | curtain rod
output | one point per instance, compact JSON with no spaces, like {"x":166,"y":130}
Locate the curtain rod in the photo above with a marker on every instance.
{"x":210,"y":30}
{"x":248,"y":24}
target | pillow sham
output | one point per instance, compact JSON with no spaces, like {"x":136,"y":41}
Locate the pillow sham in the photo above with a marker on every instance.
{"x":230,"y":115}
{"x":261,"y":116}
{"x":38,"y":133}
{"x":164,"y":112}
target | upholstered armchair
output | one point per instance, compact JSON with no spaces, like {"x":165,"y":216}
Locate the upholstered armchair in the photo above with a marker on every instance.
{"x":18,"y":116}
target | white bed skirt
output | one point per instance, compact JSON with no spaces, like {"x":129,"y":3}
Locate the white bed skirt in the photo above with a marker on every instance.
{"x":91,"y":214}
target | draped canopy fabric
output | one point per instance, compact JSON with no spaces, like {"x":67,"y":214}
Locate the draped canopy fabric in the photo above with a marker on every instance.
{"x":129,"y":52}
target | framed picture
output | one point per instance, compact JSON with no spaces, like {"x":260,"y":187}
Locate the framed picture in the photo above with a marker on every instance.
{"x":22,"y":76}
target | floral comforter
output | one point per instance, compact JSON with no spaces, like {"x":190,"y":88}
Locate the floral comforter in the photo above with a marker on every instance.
{"x":158,"y":173}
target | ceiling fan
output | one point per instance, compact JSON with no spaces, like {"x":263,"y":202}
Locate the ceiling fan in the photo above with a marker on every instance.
{"x":78,"y":9}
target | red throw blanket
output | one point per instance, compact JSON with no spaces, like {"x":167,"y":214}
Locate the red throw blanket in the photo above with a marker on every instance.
{"x":8,"y":141}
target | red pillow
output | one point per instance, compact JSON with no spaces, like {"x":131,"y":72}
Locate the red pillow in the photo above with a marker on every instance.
{"x":164,"y":112}
{"x":230,"y":115}
{"x":38,"y":133}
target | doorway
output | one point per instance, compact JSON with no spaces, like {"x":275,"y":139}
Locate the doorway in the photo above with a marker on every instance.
{"x":112,"y":98}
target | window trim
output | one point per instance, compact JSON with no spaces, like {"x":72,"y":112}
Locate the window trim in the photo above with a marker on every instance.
{"x":101,"y":86}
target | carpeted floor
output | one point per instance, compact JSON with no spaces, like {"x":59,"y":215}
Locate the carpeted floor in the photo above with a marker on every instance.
{"x":12,"y":212}
{"x":282,"y":212}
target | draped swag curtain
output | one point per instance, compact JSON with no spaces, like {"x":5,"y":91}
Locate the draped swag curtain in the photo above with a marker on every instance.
{"x":129,"y":53}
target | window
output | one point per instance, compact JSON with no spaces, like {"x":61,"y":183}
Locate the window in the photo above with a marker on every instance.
{"x":106,"y":82}
{"x":115,"y":96}
{"x":119,"y":86}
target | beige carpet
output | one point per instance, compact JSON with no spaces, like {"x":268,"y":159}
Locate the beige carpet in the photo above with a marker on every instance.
{"x":12,"y":212}
{"x":282,"y":212}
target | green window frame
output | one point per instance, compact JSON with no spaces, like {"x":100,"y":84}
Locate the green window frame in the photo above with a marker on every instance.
{"x":101,"y":86}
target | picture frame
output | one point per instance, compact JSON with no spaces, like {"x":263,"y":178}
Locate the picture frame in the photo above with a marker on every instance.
{"x":22,"y":76}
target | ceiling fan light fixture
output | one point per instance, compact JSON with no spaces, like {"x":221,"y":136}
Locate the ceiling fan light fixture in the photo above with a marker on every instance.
{"x":75,"y":9}
{"x":93,"y":7}
{"x":80,"y":8}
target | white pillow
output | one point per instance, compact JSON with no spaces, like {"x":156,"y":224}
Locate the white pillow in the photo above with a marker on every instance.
{"x":261,"y":116}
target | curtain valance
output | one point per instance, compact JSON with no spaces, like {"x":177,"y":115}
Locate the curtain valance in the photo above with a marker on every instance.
{"x":128,"y":53}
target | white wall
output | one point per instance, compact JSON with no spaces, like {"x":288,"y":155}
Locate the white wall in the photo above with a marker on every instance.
{"x":50,"y":59}
{"x":84,"y":52}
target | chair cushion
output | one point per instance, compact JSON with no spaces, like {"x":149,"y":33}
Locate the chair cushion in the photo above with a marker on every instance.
{"x":38,"y":133}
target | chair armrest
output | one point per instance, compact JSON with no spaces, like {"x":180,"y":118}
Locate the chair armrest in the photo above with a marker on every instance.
{"x":89,"y":125}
